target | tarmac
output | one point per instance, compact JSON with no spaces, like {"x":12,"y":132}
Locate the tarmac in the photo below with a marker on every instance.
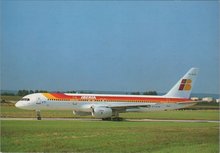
{"x":128,"y":120}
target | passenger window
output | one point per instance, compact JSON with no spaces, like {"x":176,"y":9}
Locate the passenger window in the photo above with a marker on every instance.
{"x":25,"y":99}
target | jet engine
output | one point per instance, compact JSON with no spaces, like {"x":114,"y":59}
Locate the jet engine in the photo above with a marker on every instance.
{"x":101,"y":112}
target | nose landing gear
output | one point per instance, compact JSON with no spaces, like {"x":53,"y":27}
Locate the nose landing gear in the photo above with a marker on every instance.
{"x":38,"y":114}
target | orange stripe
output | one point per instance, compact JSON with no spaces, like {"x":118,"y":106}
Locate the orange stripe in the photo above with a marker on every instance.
{"x":49,"y":96}
{"x":114,"y":98}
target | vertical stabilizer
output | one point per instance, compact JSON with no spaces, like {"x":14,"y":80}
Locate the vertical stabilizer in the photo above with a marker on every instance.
{"x":183,"y":87}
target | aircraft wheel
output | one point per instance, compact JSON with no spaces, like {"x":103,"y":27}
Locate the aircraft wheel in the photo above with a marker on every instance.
{"x":117,"y":119}
{"x":106,"y":119}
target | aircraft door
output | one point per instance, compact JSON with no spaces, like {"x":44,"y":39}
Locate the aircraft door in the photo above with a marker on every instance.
{"x":38,"y":101}
{"x":42,"y":103}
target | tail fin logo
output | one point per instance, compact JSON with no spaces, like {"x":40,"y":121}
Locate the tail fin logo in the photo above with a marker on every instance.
{"x":185,"y":84}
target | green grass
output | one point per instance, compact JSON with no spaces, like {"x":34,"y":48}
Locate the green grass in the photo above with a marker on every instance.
{"x":11,"y":98}
{"x":12,"y":111}
{"x":98,"y":136}
{"x":176,"y":114}
{"x":206,"y":105}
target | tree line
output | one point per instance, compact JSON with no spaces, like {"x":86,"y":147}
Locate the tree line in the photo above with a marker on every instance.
{"x":27,"y":92}
{"x":23,"y":92}
{"x":144,"y":93}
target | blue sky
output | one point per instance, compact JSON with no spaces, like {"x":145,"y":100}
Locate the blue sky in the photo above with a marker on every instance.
{"x":109,"y":46}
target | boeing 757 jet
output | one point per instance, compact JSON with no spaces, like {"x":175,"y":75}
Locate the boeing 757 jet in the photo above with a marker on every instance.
{"x":108,"y":106}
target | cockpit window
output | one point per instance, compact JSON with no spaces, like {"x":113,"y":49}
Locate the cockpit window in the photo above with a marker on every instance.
{"x":25,"y":99}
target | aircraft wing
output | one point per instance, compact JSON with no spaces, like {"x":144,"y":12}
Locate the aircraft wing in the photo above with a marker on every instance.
{"x":130,"y":106}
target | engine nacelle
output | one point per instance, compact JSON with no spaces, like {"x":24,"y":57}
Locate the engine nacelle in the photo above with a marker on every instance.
{"x":81,"y":113}
{"x":102,"y":112}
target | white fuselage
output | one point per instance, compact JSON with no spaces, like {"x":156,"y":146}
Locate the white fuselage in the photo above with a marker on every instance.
{"x":108,"y":106}
{"x":84,"y":102}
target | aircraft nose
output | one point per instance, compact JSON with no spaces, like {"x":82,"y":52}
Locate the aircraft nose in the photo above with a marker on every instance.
{"x":25,"y":105}
{"x":18,"y":104}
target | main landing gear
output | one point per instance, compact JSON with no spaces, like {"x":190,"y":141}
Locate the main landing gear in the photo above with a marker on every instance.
{"x":115,"y":117}
{"x":38,"y":115}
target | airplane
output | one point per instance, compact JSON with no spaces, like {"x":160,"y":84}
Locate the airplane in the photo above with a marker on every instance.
{"x":108,"y":106}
